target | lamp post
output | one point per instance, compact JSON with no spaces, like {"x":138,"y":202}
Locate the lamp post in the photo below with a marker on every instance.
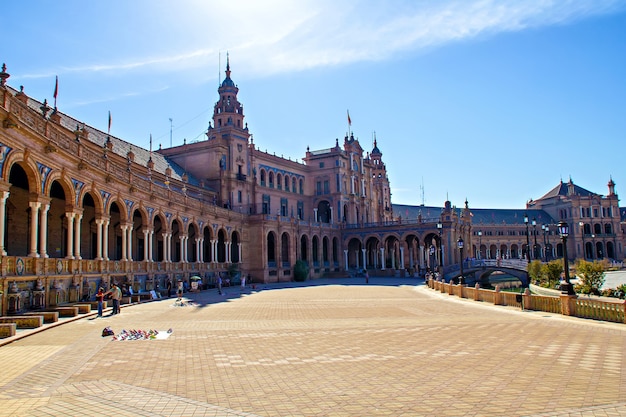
{"x":527,"y":237}
{"x":460,"y":244}
{"x":582,"y":233}
{"x":535,"y":233}
{"x":546,"y":230}
{"x":480,"y":235}
{"x":440,"y":228}
{"x":567,"y":287}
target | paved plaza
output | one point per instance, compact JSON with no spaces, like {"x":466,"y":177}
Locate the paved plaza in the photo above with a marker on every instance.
{"x":323,"y":348}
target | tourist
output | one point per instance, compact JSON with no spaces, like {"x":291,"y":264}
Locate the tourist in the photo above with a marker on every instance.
{"x":100,"y":299}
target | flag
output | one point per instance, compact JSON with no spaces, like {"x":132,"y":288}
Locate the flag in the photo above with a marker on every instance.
{"x":56,"y":91}
{"x":349,"y":120}
{"x":109,"y":121}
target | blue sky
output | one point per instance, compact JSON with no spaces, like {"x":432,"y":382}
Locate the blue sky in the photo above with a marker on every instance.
{"x":493,"y":101}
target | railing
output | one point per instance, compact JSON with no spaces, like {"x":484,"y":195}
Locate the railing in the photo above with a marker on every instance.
{"x":597,"y":309}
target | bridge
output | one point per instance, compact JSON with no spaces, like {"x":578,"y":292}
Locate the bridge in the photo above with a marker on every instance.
{"x":479,"y":270}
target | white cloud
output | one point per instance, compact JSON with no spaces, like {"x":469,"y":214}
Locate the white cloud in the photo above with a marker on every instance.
{"x":277,"y":36}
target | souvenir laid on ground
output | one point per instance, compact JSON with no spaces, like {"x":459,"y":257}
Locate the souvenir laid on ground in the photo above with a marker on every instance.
{"x":183,"y":303}
{"x":142,"y":335}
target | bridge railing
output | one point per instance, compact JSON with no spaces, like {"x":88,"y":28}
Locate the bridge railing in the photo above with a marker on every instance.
{"x":597,"y":309}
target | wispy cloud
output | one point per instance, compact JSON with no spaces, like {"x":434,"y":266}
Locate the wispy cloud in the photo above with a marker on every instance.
{"x":279,"y":36}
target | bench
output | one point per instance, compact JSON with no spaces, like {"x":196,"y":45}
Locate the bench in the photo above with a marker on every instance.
{"x":7,"y":330}
{"x":48,"y":316}
{"x":83,"y":308}
{"x":67,"y":311}
{"x":24,"y":322}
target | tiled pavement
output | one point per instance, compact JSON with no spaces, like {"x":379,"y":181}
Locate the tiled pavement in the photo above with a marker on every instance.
{"x":327,"y":348}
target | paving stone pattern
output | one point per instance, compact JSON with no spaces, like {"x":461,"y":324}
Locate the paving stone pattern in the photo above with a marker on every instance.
{"x":325,"y":348}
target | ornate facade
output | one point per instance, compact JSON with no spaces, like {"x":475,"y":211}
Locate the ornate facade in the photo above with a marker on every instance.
{"x":80,"y":208}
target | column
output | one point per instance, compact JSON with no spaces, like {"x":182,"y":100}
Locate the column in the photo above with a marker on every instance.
{"x":364,"y":258}
{"x":146,"y":233}
{"x":382,"y":259}
{"x":411,"y":263}
{"x":105,"y":240}
{"x":352,"y":185}
{"x":401,"y":257}
{"x":315,"y":215}
{"x":77,"y":219}
{"x":150,"y":245}
{"x":228,"y":257}
{"x":345,"y":259}
{"x":213,"y":251}
{"x":124,"y":242}
{"x":99,"y":239}
{"x":356,"y":258}
{"x":34,"y":222}
{"x":70,"y":235}
{"x":421,"y":253}
{"x":164,"y":234}
{"x":198,"y":254}
{"x":129,"y":246}
{"x":393,"y":258}
{"x":332,"y":217}
{"x":43,"y":231}
{"x":3,"y":206}
{"x":239,"y":249}
{"x":183,"y":249}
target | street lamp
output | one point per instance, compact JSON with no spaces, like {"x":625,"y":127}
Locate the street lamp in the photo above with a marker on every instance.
{"x":567,"y":287}
{"x":582,"y":233}
{"x":527,"y":237}
{"x":546,"y":230}
{"x":480,"y":235}
{"x":535,"y":233}
{"x":460,"y":244}
{"x":440,"y":228}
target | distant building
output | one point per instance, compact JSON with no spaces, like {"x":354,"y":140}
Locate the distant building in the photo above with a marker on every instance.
{"x":80,"y":209}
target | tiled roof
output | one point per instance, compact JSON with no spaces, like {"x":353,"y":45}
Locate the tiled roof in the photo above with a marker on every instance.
{"x":562,"y":190}
{"x":121,"y":147}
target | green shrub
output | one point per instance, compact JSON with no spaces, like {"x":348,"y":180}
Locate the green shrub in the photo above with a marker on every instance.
{"x":300,"y":271}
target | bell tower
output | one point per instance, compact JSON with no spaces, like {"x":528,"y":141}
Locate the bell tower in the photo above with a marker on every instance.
{"x":227,"y":137}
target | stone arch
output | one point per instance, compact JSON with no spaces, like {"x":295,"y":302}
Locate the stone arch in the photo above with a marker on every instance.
{"x":271,"y":248}
{"x":192,"y":236}
{"x":207,"y":234}
{"x":304,"y":248}
{"x":235,"y":240}
{"x":177,"y":231}
{"x":28,"y":166}
{"x":354,"y":253}
{"x":324,"y":213}
{"x":222,"y":238}
{"x":159,"y":227}
{"x":285,"y":249}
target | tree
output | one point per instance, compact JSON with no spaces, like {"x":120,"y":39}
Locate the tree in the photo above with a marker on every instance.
{"x":552,"y":271}
{"x":591,"y":276}
{"x":300,"y":271}
{"x":534,"y":271}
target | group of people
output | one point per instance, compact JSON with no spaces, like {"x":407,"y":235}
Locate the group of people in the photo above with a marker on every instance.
{"x":115,"y":293}
{"x":116,"y":296}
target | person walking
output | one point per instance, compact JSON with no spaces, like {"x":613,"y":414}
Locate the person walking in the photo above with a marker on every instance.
{"x":169,"y":288}
{"x":100,"y":299}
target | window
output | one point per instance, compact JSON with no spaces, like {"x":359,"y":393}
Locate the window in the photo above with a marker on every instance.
{"x":318,"y":187}
{"x":321,"y":165}
{"x":271,"y":179}
{"x":283,"y":207}
{"x":266,"y":204}
{"x":239,"y":196}
{"x":300,"y":210}
{"x":326,"y":187}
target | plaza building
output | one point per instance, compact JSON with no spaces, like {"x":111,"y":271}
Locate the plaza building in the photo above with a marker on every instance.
{"x":80,"y":209}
